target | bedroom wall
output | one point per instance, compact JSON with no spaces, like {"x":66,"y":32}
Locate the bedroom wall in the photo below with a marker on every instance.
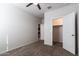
{"x":17,"y":27}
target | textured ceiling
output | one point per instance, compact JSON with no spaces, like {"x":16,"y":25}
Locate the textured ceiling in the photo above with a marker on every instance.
{"x":40,"y":13}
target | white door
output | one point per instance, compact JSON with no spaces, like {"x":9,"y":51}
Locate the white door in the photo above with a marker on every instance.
{"x":69,"y":33}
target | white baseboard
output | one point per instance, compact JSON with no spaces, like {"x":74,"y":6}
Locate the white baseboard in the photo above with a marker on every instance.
{"x":30,"y":42}
{"x":3,"y":52}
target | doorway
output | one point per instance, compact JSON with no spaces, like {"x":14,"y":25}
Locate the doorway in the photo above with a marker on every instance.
{"x":69,"y":32}
{"x":58,"y":32}
{"x":38,"y":31}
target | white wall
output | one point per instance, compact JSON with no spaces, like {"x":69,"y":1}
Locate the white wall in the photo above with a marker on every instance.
{"x":3,"y":28}
{"x":48,"y":16}
{"x":19,"y":27}
{"x":42,"y":31}
{"x":42,"y":21}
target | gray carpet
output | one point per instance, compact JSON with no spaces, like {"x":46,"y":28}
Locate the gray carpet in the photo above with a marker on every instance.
{"x":38,"y":49}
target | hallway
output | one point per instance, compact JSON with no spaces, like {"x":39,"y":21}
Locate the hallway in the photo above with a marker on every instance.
{"x":38,"y":49}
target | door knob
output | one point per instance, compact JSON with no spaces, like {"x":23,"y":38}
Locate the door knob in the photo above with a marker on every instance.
{"x":73,"y":35}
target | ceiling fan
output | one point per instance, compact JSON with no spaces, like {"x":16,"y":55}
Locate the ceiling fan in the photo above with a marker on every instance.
{"x":37,"y":4}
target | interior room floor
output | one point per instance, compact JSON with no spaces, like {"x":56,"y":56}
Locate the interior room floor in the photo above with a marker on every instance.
{"x":38,"y":49}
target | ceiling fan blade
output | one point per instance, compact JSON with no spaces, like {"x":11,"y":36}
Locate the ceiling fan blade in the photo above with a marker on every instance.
{"x":29,"y":4}
{"x":39,"y":6}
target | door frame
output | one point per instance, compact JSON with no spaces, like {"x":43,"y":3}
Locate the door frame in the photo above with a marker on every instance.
{"x":76,"y":34}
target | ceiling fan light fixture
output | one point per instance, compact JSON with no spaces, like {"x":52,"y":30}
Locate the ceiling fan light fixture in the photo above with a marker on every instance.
{"x":37,"y":4}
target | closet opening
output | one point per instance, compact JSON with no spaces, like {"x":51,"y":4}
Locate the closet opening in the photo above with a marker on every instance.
{"x":58,"y":32}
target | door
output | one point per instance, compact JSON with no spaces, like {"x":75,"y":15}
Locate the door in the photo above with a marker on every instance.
{"x":69,"y":33}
